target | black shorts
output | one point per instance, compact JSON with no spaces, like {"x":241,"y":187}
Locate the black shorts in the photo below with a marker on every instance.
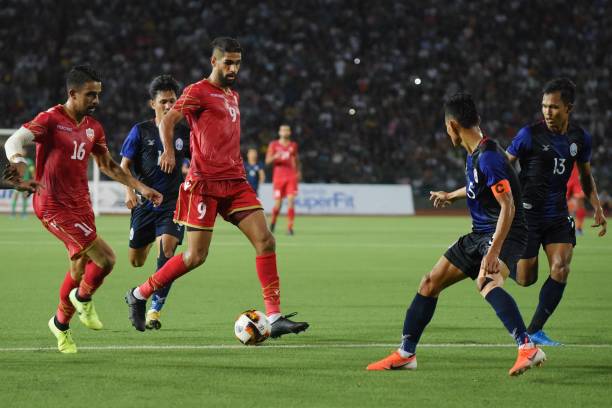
{"x":147,"y":224}
{"x":467,"y":253}
{"x":560,"y":230}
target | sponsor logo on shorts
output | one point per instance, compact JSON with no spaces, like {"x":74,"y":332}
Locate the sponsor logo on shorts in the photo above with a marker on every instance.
{"x":527,"y":206}
{"x":131,"y":234}
{"x":178,"y":144}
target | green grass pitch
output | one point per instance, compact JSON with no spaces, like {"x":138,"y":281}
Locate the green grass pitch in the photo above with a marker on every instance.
{"x":351,"y":278}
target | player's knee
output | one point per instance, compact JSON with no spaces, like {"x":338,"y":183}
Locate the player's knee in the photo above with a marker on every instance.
{"x":559,"y":271}
{"x":526,"y":279}
{"x":108,"y":262}
{"x":265,"y":245}
{"x":169,"y":251}
{"x":194,"y":259}
{"x":486,"y":284}
{"x":429,"y":287}
{"x":136,"y":262}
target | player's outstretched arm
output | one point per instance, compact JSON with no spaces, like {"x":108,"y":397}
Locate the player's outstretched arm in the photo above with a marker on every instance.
{"x":131,"y":200}
{"x":589,"y":187}
{"x":503,"y":195}
{"x":442,"y":199}
{"x":109,"y":167}
{"x":167,"y":160}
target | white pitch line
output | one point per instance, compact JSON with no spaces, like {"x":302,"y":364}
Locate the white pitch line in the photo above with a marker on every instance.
{"x":280,"y":346}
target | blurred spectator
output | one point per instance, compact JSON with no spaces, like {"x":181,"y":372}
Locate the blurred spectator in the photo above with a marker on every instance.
{"x":362,"y":86}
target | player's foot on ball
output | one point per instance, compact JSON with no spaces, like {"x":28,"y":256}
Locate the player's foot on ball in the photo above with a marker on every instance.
{"x":137,"y":310}
{"x":540,"y":338}
{"x":153,"y":322}
{"x":290,"y":231}
{"x":272,"y":226}
{"x":65,"y":343}
{"x":285,"y":326}
{"x":394,"y":361}
{"x":86,"y":310}
{"x":527,"y":358}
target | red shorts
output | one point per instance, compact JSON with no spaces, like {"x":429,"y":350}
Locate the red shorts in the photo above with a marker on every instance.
{"x":574,"y":189}
{"x":283,"y":187}
{"x":200,"y":201}
{"x":76,"y":230}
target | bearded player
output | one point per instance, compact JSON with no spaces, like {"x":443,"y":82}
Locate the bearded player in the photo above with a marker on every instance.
{"x":65,"y":136}
{"x":216,"y":184}
{"x":283,"y":154}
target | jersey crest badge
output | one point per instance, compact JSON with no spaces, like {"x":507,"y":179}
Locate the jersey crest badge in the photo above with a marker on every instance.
{"x":178,"y":144}
{"x":573,"y":149}
{"x":89,"y":132}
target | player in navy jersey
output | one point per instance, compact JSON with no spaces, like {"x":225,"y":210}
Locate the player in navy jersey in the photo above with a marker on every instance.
{"x":141,"y":151}
{"x":547,"y":151}
{"x":487,"y":254}
{"x":254,"y":170}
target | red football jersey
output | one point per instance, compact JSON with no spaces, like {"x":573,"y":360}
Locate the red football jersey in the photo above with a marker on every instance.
{"x":62,"y":153}
{"x":214,"y":119}
{"x":285,"y":165}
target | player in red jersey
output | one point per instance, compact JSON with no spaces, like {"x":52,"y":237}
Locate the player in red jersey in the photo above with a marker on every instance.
{"x":65,"y":136}
{"x":283,"y":153}
{"x":216,"y":184}
{"x":575,"y":199}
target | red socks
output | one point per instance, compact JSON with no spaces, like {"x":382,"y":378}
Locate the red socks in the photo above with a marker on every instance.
{"x":580,"y":214}
{"x":275,"y":212}
{"x":65,"y":310}
{"x":92,"y":280}
{"x":291,"y":217}
{"x":268,"y":277}
{"x":172,"y":269}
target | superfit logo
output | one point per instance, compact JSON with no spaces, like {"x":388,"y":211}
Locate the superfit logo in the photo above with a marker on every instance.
{"x":64,"y":128}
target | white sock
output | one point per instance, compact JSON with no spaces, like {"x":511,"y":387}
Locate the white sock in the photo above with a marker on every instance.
{"x":274,"y":317}
{"x":137,"y":294}
{"x":404,"y":353}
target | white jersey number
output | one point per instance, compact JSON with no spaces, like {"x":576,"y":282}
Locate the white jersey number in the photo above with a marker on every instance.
{"x":559,"y":167}
{"x":79,"y":151}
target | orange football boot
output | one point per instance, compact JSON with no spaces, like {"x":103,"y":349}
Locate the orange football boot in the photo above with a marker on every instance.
{"x":394,"y":362}
{"x":527,"y":358}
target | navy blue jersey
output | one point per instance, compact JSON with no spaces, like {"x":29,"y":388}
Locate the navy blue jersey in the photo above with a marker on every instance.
{"x":252,"y":173}
{"x":486,"y":167}
{"x":546,"y":160}
{"x":143,"y":147}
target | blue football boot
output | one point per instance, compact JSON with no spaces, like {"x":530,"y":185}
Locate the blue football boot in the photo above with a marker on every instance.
{"x":540,"y":338}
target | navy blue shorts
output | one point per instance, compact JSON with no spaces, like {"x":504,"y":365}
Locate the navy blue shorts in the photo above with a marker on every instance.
{"x":146,"y":225}
{"x":467,"y":253}
{"x":559,"y":230}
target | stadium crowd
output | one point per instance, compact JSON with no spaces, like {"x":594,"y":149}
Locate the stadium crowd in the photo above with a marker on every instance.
{"x":362,"y":86}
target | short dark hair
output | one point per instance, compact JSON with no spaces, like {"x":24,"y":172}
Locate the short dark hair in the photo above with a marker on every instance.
{"x":563,"y":85}
{"x":225,"y":44}
{"x":462,"y":108}
{"x":81,"y":74}
{"x":163,"y":83}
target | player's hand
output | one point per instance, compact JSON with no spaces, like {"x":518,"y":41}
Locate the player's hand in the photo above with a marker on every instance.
{"x":490,"y":263}
{"x":440,"y":199}
{"x":29,"y":186}
{"x":11,"y":173}
{"x":131,"y":200}
{"x":600,"y":221}
{"x":152,"y":195}
{"x":167,"y":161}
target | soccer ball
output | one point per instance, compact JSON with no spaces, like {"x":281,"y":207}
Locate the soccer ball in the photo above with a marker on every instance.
{"x":252,"y":327}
